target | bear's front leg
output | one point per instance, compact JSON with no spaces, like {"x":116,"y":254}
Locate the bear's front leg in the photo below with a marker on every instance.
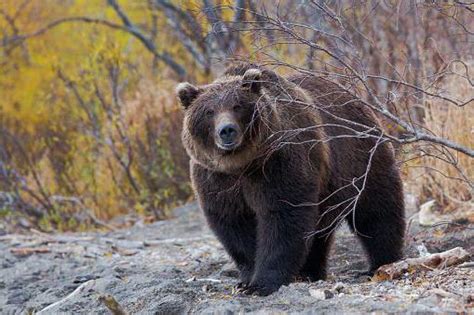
{"x":282,"y":249}
{"x":231,"y":220}
{"x":284,"y":222}
{"x":236,"y":231}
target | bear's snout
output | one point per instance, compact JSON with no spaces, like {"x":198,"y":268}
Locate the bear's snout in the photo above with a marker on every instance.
{"x":228,"y":135}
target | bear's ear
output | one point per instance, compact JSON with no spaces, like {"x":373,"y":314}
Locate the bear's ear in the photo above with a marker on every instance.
{"x":186,"y":93}
{"x":251,"y":80}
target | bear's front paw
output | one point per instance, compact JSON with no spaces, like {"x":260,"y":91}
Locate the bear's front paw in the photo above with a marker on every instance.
{"x":261,"y":289}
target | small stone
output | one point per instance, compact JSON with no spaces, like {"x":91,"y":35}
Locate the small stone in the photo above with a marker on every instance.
{"x":193,"y":278}
{"x":428,"y":216}
{"x":422,"y":250}
{"x":84,"y":278}
{"x":24,"y":223}
{"x":321,"y":294}
{"x":338,"y":287}
{"x":119,"y":270}
{"x":172,"y":304}
{"x":68,"y":287}
{"x":470,"y":299}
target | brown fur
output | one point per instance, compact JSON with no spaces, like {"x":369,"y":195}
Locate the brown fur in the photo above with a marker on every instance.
{"x":285,"y":180}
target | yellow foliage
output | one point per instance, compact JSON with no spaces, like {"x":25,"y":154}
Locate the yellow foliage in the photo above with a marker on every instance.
{"x":50,"y":88}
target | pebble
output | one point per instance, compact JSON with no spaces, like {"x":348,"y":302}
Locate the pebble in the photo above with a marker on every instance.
{"x":84,"y":278}
{"x":193,"y":278}
{"x":207,"y":288}
{"x":321,"y":294}
{"x":24,"y":223}
{"x":338,"y":287}
{"x":119,"y":270}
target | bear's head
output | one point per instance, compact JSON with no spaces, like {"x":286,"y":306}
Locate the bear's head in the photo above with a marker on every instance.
{"x":222,"y":120}
{"x":228,"y":122}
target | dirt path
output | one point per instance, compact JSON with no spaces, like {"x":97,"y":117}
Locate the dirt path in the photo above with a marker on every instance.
{"x":177,"y":266}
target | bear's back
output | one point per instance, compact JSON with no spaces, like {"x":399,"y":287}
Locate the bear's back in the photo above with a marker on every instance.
{"x":348,"y":123}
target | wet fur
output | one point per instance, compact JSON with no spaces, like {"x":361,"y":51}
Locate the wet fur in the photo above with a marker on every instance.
{"x":269,"y":203}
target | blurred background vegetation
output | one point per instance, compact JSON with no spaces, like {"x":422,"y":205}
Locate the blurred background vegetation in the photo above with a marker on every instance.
{"x":90,"y":126}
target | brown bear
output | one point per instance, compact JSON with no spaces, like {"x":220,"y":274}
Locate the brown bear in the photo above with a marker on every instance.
{"x":277,"y":163}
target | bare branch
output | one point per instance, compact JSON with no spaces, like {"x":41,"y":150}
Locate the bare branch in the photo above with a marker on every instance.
{"x":133,"y":30}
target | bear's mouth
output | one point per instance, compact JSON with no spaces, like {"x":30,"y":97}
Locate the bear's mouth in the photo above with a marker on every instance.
{"x":229,"y":148}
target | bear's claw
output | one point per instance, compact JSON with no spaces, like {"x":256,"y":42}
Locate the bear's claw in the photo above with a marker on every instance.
{"x":241,"y":286}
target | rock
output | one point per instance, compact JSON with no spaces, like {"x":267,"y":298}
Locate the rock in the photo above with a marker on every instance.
{"x":120,"y":270}
{"x":428,"y":216}
{"x":193,"y":278}
{"x":321,"y":294}
{"x":422,"y":250}
{"x":206,"y":288}
{"x":84,"y":278}
{"x":172,"y":304}
{"x":24,"y":223}
{"x":338,"y":287}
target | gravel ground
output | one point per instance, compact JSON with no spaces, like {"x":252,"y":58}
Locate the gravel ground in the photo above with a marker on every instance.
{"x":177,"y":266}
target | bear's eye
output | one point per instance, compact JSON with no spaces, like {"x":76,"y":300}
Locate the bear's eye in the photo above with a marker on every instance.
{"x":209,"y":112}
{"x":237,"y":107}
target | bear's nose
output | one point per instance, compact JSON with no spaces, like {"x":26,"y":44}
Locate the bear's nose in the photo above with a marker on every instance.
{"x":228,"y":133}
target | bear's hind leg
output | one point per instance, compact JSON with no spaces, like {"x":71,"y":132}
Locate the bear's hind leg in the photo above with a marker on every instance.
{"x":316,"y":262}
{"x":380,"y":225}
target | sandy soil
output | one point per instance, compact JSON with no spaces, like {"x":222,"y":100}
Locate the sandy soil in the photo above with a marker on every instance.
{"x":177,"y":266}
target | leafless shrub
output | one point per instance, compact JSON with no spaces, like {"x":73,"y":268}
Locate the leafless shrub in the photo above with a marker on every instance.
{"x":400,"y":59}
